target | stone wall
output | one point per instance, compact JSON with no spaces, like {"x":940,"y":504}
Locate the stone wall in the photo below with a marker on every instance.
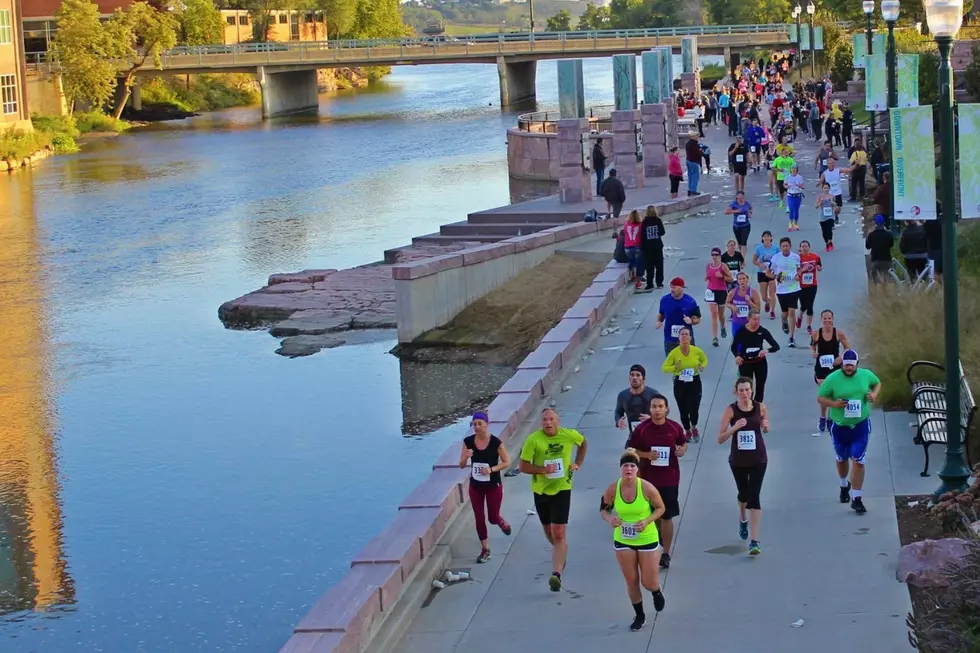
{"x":534,"y":155}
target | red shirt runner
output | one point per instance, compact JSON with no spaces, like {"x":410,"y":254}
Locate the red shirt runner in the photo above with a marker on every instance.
{"x":664,"y":439}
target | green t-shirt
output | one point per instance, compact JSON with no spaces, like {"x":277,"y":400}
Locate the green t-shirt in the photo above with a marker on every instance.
{"x":783,"y":165}
{"x":854,"y":389}
{"x":541,"y":449}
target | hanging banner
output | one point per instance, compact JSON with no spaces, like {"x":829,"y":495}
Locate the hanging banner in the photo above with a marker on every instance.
{"x":878,"y":42}
{"x":907,"y":67}
{"x":805,"y":38}
{"x":876,"y":83}
{"x":913,"y":163}
{"x":969,"y":159}
{"x":818,"y":38}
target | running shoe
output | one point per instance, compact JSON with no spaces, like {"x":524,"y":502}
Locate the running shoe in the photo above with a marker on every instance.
{"x":484,"y":556}
{"x":782,"y":206}
{"x":767,"y":308}
{"x":823,"y":424}
{"x":754,"y":548}
{"x":659,"y":602}
{"x":504,"y":527}
{"x":845,"y":493}
{"x":831,"y":247}
{"x":790,"y":227}
{"x":665,"y":561}
{"x":687,"y":436}
{"x":638,"y":622}
{"x":772,"y":315}
{"x":828,"y":247}
{"x":695,"y":435}
{"x":809,"y":330}
{"x":785,"y":325}
{"x":714,"y":342}
{"x":799,"y":321}
{"x":724,"y":334}
{"x":792,"y":343}
{"x":639,"y":284}
{"x":743,"y":529}
{"x":555,"y":582}
{"x":858,"y":506}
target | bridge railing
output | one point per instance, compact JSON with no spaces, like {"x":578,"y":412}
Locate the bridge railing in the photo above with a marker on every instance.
{"x":600,"y":117}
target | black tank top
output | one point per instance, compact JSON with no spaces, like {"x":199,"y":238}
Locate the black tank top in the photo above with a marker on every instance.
{"x":827,"y":348}
{"x":489,"y":457}
{"x":748,"y":445}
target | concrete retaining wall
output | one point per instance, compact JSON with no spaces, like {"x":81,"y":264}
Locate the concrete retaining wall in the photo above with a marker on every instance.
{"x":534,"y":155}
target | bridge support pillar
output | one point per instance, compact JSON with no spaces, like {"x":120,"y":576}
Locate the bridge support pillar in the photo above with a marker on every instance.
{"x":728,"y":59}
{"x":574,"y":182}
{"x":654,"y":118}
{"x":517,"y":81}
{"x":136,"y":97}
{"x":287,"y":92}
{"x":624,"y":127}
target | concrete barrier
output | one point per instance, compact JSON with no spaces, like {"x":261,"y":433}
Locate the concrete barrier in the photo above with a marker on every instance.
{"x":429,"y":293}
{"x":390,"y":577}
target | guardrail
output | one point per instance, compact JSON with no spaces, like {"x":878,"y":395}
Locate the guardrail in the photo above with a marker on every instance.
{"x":547,"y":121}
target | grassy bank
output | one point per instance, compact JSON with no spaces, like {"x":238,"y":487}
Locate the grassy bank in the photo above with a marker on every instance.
{"x":16,"y":144}
{"x":59,"y":132}
{"x":199,"y":93}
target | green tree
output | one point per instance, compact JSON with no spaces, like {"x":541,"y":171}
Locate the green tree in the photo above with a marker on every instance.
{"x":260,"y":13}
{"x":200,"y":23}
{"x":971,"y":76}
{"x":377,"y":19}
{"x":560,"y":22}
{"x":745,"y":12}
{"x":594,"y":18}
{"x":82,"y":47}
{"x":340,"y":16}
{"x":139,"y":34}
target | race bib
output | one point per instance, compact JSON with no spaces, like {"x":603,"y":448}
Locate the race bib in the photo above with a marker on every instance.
{"x":709,"y":295}
{"x":752,"y":149}
{"x":661,"y":456}
{"x":741,"y":218}
{"x":481,"y":472}
{"x":835,"y":188}
{"x":808,"y":278}
{"x":627,"y":531}
{"x":746,"y":440}
{"x":559,"y":464}
{"x":742,"y":310}
{"x":826,"y":361}
{"x":828,"y":211}
{"x":739,"y":158}
{"x":752,"y":351}
{"x":853,"y":409}
{"x":675,"y":330}
{"x":686,"y":375}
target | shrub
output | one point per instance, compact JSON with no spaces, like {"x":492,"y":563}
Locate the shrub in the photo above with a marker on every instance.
{"x":206,"y":92}
{"x":64,"y":143}
{"x":17,"y":144}
{"x":96,"y":121}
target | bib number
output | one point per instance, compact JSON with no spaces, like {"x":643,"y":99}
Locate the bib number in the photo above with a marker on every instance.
{"x":752,"y":352}
{"x":709,"y":295}
{"x":739,"y":158}
{"x":481,"y":472}
{"x":826,"y":361}
{"x":675,"y":330}
{"x":835,"y":188}
{"x":627,"y":531}
{"x":662,"y":458}
{"x":686,"y":375}
{"x":742,"y":310}
{"x":828,"y":211}
{"x":853,"y":409}
{"x":808,"y":278}
{"x":752,"y":148}
{"x":741,"y":218}
{"x":559,"y":464}
{"x":746,"y":440}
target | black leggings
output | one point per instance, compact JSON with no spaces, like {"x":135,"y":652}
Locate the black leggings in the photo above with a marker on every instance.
{"x":675,"y":183}
{"x":688,"y":398}
{"x":827,"y":229}
{"x":653,"y":260}
{"x":759,"y":372}
{"x":748,"y":480}
{"x":858,"y":182}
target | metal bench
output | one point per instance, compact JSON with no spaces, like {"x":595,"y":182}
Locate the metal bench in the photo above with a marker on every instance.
{"x":929,"y":408}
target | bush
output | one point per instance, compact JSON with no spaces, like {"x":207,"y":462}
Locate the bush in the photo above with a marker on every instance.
{"x":64,"y":143}
{"x":206,"y":92}
{"x":16,"y":144}
{"x":96,"y":121}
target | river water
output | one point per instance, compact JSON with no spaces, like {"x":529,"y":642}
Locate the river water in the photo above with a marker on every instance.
{"x":167,"y":485}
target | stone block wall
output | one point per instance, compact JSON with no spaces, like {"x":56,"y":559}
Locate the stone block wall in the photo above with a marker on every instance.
{"x":574,"y":182}
{"x":624,"y":148}
{"x":654,"y":141}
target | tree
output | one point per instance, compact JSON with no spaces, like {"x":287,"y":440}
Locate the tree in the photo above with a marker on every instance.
{"x":377,"y":19}
{"x":200,"y":23}
{"x":724,"y":12}
{"x":84,"y":51}
{"x":594,"y":18}
{"x":137,"y":35}
{"x":260,"y":13}
{"x":560,"y":22}
{"x":340,"y":16}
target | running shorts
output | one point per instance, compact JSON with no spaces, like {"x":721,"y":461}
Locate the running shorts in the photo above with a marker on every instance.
{"x":839,"y":199}
{"x":672,"y":507}
{"x":820,"y":373}
{"x":851,"y":442}
{"x":740,"y":169}
{"x":553,"y":508}
{"x":762,"y":277}
{"x":781,"y":186}
{"x":653,"y":546}
{"x":788,"y":300}
{"x":808,"y":296}
{"x":721,"y":296}
{"x":742,"y":235}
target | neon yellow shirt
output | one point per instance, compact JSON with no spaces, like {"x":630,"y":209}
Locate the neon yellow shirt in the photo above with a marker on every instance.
{"x":541,"y":450}
{"x":689,"y":364}
{"x":860,"y":158}
{"x":631,"y":514}
{"x":783,"y":165}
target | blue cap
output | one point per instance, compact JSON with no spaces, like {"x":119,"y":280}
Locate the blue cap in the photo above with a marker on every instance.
{"x":879,"y":219}
{"x":480,"y":415}
{"x":850,"y":357}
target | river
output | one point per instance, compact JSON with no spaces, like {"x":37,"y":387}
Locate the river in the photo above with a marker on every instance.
{"x":167,"y":485}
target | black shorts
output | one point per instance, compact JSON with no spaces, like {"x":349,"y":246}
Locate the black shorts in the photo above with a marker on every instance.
{"x":619,"y":546}
{"x":721,"y":297}
{"x":672,"y":508}
{"x":808,"y":296}
{"x":839,"y":200}
{"x":742,"y":234}
{"x":781,"y":186}
{"x":788,"y":300}
{"x":762,"y":277}
{"x":740,"y":169}
{"x":820,"y":373}
{"x":553,"y":508}
{"x":675,"y":182}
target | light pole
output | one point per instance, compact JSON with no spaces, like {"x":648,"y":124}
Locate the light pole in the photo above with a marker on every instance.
{"x":797,"y":11}
{"x":869,"y":8}
{"x":944,"y":18}
{"x":530,"y":6}
{"x":889,"y":11}
{"x":811,"y":9}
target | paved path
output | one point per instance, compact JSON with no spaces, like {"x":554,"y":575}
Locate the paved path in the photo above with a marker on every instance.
{"x":821,"y":562}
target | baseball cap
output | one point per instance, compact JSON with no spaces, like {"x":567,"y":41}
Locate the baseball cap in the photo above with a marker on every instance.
{"x":480,"y":415}
{"x":716,"y":250}
{"x":639,"y":368}
{"x":850,"y":357}
{"x":677,"y":281}
{"x":879,"y":219}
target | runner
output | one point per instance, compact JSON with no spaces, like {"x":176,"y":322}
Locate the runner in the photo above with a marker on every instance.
{"x":547,"y":457}
{"x":828,"y":209}
{"x":717,"y":276}
{"x":741,"y":299}
{"x":825,"y":347}
{"x":733,"y":259}
{"x":849,"y":393}
{"x":659,"y":442}
{"x":738,"y":154}
{"x":771,"y":174}
{"x":631,"y":506}
{"x":747,"y":420}
{"x":686,"y":363}
{"x":784,"y":268}
{"x":824,"y":155}
{"x":632,"y":403}
{"x":831,"y":175}
{"x":754,"y":136}
{"x":742,"y":222}
{"x":783,"y":165}
{"x":794,"y":197}
{"x":760,"y":259}
{"x":810,"y":265}
{"x":487,"y":456}
{"x":750,"y":355}
{"x":676,"y":310}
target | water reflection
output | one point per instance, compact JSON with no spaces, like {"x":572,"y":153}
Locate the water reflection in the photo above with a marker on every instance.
{"x":33,"y":572}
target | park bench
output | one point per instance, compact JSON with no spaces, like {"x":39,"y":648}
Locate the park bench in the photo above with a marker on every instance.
{"x":929,"y":408}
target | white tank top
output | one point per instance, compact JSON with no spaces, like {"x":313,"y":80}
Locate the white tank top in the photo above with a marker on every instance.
{"x":832,"y":177}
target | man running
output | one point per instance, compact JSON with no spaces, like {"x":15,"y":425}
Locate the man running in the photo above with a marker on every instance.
{"x":632,"y":403}
{"x":831,"y":176}
{"x":784,"y":268}
{"x":754,"y":136}
{"x":659,"y":442}
{"x":738,"y":156}
{"x":678,"y":309}
{"x":783,"y":165}
{"x":849,"y":393}
{"x":547,"y":456}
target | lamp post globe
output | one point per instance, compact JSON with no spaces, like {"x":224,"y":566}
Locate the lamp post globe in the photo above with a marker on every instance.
{"x":812,"y":9}
{"x":868,"y":6}
{"x":944,"y":17}
{"x":890,"y":10}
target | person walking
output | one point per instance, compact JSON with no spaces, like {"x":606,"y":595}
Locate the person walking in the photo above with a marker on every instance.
{"x":914,"y":245}
{"x":652,"y":247}
{"x":744,"y":422}
{"x":748,"y":348}
{"x":547,"y":458}
{"x":613,"y":191}
{"x":631,"y":506}
{"x":632,"y":232}
{"x":858,"y":172}
{"x":674,"y":171}
{"x":849,"y":393}
{"x":677,"y":310}
{"x":685,"y":364}
{"x":632,"y":403}
{"x":599,"y":160}
{"x":879,"y":243}
{"x":486,"y":456}
{"x":694,"y":159}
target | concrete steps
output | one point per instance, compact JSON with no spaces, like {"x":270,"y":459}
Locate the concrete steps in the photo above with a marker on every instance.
{"x":441,"y":238}
{"x":524,"y":217}
{"x":467,"y":229}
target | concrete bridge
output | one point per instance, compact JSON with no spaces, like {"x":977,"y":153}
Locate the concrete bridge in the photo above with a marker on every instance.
{"x":287,"y":71}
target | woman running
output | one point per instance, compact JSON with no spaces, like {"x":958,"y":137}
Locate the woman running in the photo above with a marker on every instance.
{"x":750,"y":354}
{"x":487,"y":456}
{"x":764,"y":252}
{"x":742,"y":299}
{"x":631,"y":506}
{"x":794,"y":196}
{"x":734,"y":259}
{"x":742,"y":222}
{"x":744,"y":422}
{"x":810,"y":265}
{"x":773,"y":188}
{"x":828,"y":210}
{"x":826,"y":346}
{"x":717,"y":276}
{"x":686,"y":362}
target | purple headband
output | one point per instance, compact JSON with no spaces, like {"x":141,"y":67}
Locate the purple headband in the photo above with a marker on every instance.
{"x":480,"y":415}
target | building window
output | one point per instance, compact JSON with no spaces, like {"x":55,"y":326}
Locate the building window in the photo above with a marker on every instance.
{"x":283,"y":19}
{"x":243,"y":20}
{"x":230,"y":20}
{"x":6,"y":32}
{"x":8,"y":93}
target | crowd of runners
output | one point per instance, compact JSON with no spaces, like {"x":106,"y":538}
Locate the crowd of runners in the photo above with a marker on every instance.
{"x":744,"y":284}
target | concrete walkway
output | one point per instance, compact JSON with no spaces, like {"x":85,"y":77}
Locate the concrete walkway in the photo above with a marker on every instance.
{"x":821,"y":562}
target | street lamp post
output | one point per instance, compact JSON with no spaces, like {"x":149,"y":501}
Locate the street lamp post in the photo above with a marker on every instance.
{"x":530,"y":6}
{"x":869,"y":8}
{"x":944,"y":18}
{"x":811,"y":9}
{"x":797,"y":12}
{"x":889,"y":11}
